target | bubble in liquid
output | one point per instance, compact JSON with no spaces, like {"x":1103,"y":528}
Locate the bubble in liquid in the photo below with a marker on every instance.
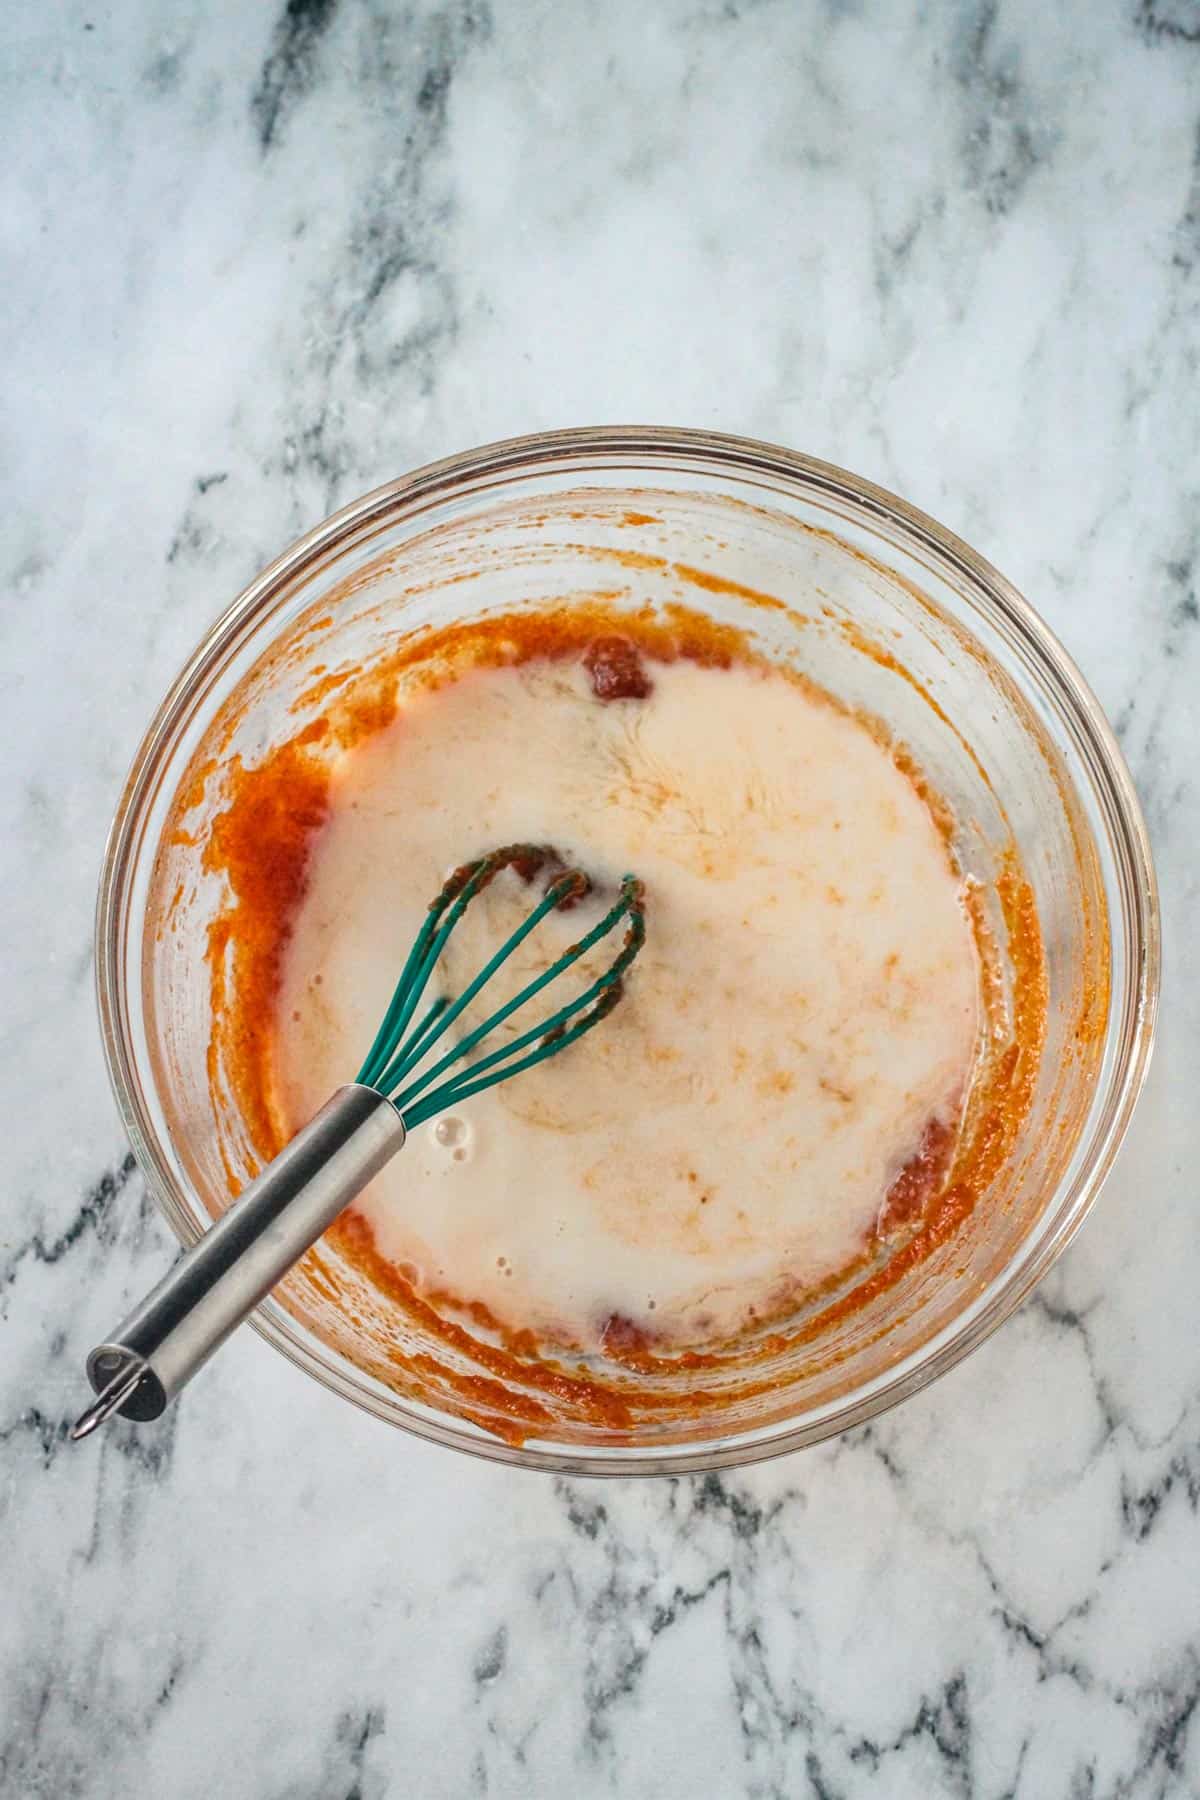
{"x":449,"y":1131}
{"x":460,"y":1155}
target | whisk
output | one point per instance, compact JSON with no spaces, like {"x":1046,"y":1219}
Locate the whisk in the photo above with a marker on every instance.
{"x":212,"y":1288}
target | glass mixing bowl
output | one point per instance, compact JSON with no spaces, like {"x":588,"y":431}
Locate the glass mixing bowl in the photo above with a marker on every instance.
{"x":959,"y":665}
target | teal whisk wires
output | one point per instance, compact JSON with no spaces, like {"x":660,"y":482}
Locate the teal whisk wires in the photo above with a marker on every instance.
{"x":391,"y":1067}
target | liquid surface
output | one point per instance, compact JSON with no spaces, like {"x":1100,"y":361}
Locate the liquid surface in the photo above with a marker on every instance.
{"x":791,"y":1057}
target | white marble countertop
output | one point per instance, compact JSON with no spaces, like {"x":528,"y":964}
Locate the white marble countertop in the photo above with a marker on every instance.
{"x":259,"y":259}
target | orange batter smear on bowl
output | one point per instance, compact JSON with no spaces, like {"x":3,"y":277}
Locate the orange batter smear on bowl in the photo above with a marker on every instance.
{"x":803,"y":1095}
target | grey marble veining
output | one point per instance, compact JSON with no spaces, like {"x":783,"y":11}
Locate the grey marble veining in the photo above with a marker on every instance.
{"x":257,"y":260}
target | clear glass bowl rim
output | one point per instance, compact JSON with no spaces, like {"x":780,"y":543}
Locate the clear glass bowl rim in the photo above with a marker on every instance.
{"x":640,"y":450}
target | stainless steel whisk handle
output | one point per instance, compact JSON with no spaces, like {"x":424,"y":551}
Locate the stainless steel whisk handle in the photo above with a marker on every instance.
{"x":157,"y":1349}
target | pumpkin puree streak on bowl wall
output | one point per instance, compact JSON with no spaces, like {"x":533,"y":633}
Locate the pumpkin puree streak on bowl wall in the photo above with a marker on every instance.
{"x":678,"y":1272}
